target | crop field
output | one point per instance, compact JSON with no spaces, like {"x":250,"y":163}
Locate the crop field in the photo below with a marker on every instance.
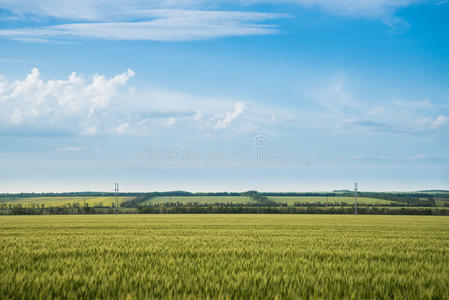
{"x":442,"y":202}
{"x":291,"y":200}
{"x":224,"y":256}
{"x":106,"y":201}
{"x":200,"y":199}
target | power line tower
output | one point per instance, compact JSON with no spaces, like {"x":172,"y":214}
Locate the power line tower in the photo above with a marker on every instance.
{"x":356,"y":186}
{"x":116,"y":189}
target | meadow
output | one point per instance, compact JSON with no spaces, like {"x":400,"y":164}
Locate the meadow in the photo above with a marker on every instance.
{"x":289,"y":200}
{"x":62,"y":201}
{"x":334,"y":200}
{"x":444,"y":202}
{"x":200,"y":200}
{"x":224,"y":256}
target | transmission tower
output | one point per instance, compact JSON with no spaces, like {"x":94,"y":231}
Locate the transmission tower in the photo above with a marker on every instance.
{"x":355,"y":197}
{"x":116,"y":189}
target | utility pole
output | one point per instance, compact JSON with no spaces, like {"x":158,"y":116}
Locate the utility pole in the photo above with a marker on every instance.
{"x":355,"y":198}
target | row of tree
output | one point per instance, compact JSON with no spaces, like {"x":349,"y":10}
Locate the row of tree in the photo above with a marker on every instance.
{"x":235,"y":209}
{"x":289,"y":210}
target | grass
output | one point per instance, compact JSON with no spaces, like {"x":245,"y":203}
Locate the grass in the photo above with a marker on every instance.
{"x":199,"y":199}
{"x":442,"y":202}
{"x":224,"y":256}
{"x":105,"y":201}
{"x":291,"y":200}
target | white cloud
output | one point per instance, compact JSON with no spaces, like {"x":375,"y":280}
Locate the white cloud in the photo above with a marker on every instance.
{"x":16,"y":116}
{"x":393,"y":121}
{"x":122,"y":128}
{"x":231,"y":116}
{"x":159,"y":25}
{"x":376,"y":110}
{"x":69,"y":149}
{"x":100,"y":105}
{"x":91,"y":10}
{"x":151,"y":109}
{"x":370,"y":157}
{"x":170,"y":121}
{"x":412,"y":104}
{"x":70,"y":102}
{"x":198,"y":115}
{"x":351,"y":113}
{"x":88,"y":130}
{"x":119,"y":9}
{"x":440,"y":121}
{"x":335,"y":97}
{"x":423,"y":157}
{"x":183,"y":20}
{"x":248,"y":128}
{"x":357,"y":8}
{"x":31,"y":40}
{"x":417,"y":157}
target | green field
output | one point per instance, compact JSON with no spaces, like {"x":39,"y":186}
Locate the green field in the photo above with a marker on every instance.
{"x":442,"y":202}
{"x":105,"y":201}
{"x":224,"y":256}
{"x":291,"y":200}
{"x":200,"y":199}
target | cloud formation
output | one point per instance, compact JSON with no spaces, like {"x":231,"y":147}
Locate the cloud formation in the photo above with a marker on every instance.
{"x":439,"y":121}
{"x":425,"y":157}
{"x":71,"y":102}
{"x":69,"y":149}
{"x":101,"y":105}
{"x":356,"y":8}
{"x":351,"y":113}
{"x":231,"y":116}
{"x":120,"y":9}
{"x":157,"y":25}
{"x":183,"y":20}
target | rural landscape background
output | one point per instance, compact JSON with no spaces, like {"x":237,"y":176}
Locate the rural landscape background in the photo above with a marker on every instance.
{"x":235,"y":149}
{"x":337,"y":202}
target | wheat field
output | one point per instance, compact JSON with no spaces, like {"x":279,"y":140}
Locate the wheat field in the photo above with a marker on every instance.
{"x":224,"y":256}
{"x":64,"y":201}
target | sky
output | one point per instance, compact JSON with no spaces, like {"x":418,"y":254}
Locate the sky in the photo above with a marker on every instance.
{"x":290,"y":95}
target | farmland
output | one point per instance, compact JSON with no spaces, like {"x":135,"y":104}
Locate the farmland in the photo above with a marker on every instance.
{"x":339,"y":202}
{"x":336,"y":200}
{"x":444,"y":202}
{"x":200,"y":199}
{"x":224,"y":256}
{"x":289,"y":200}
{"x":104,"y":201}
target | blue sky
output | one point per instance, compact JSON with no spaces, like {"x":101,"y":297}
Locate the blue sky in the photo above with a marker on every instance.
{"x":294,"y":95}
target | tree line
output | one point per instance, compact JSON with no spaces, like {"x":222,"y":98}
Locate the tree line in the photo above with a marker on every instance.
{"x":234,"y":209}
